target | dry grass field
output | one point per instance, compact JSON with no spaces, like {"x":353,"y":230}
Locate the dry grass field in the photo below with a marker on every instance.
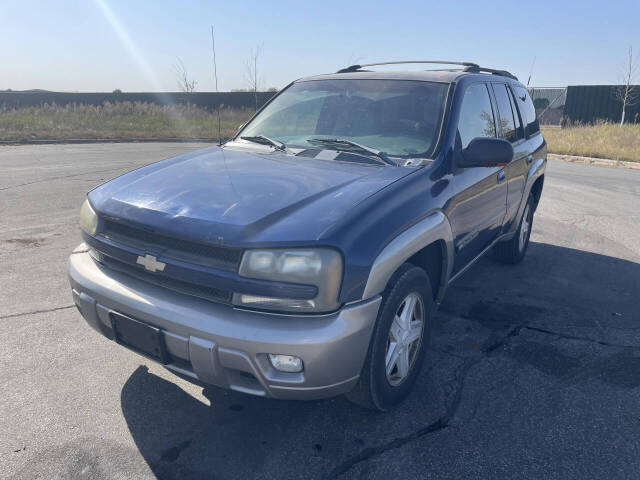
{"x":604,"y":140}
{"x":117,"y":120}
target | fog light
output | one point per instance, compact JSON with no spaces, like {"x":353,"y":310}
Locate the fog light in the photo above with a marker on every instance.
{"x":286,"y":363}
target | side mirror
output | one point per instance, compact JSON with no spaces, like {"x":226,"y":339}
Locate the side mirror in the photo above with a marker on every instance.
{"x":487,"y":152}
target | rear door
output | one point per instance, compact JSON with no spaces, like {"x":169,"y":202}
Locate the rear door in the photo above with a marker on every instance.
{"x":510,"y":127}
{"x":477,"y":211}
{"x":535,"y":144}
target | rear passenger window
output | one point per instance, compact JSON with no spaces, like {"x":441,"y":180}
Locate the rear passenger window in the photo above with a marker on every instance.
{"x":528,"y":111}
{"x":507,"y":122}
{"x":476,"y":115}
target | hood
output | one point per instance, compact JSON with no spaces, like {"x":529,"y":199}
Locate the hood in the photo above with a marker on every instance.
{"x":242,"y":197}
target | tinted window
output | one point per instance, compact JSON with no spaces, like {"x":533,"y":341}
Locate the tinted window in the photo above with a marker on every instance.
{"x":528,"y":111}
{"x":476,"y":115}
{"x":516,"y":116}
{"x":506,"y":114}
{"x":399,"y":117}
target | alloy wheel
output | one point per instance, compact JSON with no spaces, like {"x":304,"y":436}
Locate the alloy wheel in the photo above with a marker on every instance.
{"x":405,"y":337}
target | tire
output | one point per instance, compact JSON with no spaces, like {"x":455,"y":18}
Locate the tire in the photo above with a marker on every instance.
{"x":512,"y":251}
{"x":377,"y":388}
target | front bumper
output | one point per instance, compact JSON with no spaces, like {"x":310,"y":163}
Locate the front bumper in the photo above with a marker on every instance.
{"x":226,"y":346}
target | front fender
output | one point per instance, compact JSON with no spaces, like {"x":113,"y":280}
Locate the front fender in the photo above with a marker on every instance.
{"x":433,"y":228}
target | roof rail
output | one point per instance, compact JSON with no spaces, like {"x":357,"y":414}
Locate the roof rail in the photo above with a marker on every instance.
{"x":355,"y":68}
{"x":469,"y":67}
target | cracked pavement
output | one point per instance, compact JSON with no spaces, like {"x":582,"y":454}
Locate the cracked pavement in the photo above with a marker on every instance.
{"x":533,"y":371}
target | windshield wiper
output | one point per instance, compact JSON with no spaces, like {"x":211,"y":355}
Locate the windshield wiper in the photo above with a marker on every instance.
{"x":261,"y":139}
{"x":337,"y":142}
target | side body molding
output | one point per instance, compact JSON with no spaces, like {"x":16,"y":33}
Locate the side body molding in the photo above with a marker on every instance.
{"x":433,"y":228}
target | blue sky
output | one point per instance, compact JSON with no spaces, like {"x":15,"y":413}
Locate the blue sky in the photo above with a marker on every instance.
{"x":100,"y":45}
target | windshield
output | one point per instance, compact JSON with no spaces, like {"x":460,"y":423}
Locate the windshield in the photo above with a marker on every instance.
{"x":399,"y":117}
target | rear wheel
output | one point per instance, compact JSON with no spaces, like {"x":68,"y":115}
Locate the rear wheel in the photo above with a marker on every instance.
{"x":513,"y":250}
{"x":400,"y":338}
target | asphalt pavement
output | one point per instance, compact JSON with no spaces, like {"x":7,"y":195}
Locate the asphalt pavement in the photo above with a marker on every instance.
{"x":534,"y":370}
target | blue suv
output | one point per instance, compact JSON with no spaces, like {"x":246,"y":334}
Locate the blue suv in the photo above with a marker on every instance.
{"x":304,"y":258}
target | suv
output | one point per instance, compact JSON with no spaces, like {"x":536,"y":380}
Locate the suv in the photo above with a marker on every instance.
{"x":304,"y":258}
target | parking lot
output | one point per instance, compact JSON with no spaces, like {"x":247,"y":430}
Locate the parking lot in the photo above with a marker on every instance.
{"x":534,"y":370}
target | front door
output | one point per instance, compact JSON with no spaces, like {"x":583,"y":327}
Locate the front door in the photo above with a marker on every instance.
{"x":477,"y":211}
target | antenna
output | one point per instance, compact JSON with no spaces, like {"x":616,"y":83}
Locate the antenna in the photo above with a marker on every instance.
{"x":215,"y":75}
{"x":531,"y":70}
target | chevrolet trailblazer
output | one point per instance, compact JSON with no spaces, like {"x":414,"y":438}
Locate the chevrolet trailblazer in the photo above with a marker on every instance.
{"x":304,"y":257}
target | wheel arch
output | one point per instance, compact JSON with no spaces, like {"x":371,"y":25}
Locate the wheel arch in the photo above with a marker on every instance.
{"x":533,"y":185}
{"x":536,"y":190}
{"x":426,"y":244}
{"x":432,"y":259}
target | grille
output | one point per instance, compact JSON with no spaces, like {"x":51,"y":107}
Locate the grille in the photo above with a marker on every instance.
{"x":208,"y":293}
{"x":216,"y":256}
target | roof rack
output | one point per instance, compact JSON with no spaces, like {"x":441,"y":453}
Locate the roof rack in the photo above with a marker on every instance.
{"x":469,"y":67}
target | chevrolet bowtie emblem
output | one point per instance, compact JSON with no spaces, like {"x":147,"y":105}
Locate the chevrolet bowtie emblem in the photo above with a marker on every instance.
{"x":151,"y":263}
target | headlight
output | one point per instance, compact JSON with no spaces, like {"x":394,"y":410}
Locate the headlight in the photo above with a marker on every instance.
{"x":321,"y":267}
{"x":88,"y":218}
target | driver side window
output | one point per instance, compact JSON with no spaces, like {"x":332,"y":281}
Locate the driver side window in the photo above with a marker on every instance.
{"x":476,"y":115}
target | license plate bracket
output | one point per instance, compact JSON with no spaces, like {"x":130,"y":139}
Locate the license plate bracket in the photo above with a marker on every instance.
{"x":141,"y":337}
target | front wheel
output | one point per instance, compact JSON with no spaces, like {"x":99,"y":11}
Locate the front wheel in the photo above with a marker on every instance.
{"x":400,"y":338}
{"x":513,"y":250}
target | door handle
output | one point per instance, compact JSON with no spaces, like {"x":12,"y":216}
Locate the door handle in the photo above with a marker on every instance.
{"x":500,"y":176}
{"x":529,"y":159}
